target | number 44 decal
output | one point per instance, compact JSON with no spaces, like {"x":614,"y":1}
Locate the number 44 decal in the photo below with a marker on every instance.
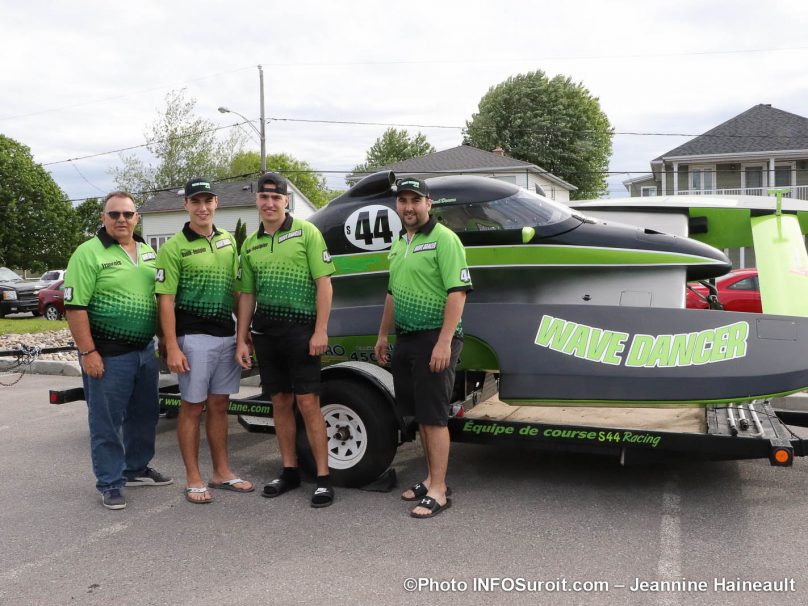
{"x":372,"y":227}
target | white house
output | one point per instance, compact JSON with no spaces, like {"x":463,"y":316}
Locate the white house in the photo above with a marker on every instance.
{"x":469,"y":160}
{"x":163,"y":214}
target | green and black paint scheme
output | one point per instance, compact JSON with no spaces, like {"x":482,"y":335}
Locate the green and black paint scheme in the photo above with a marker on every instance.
{"x":572,"y":307}
{"x":580,"y":305}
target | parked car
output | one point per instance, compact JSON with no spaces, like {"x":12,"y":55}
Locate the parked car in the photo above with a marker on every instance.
{"x":52,"y":301}
{"x":52,"y":276}
{"x":16,"y":294}
{"x":737,"y":291}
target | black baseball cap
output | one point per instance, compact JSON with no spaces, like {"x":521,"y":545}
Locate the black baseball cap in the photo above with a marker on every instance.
{"x":418,"y":186}
{"x":275,"y":179}
{"x":198,"y":185}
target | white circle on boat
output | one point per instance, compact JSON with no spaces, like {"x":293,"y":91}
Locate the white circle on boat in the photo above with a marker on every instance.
{"x":373,"y":227}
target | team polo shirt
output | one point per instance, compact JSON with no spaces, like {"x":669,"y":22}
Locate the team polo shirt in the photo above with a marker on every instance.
{"x":117,"y":293}
{"x":201,"y":275}
{"x":280,"y":270}
{"x":423,"y":272}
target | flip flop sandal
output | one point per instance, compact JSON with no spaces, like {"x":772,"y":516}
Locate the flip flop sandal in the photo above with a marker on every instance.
{"x":197,"y":490}
{"x":231,"y":485}
{"x":433,"y":506}
{"x":278,"y":486}
{"x":323,"y":496}
{"x":419,"y":490}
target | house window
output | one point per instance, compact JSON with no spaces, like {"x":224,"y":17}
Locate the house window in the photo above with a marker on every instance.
{"x":783,"y":175}
{"x":648,"y":190}
{"x":506,"y":178}
{"x":752,"y":180}
{"x":702,"y":179}
{"x":157,"y":241}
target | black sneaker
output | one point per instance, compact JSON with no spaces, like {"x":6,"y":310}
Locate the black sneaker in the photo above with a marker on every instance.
{"x":113,"y":499}
{"x":150,"y":477}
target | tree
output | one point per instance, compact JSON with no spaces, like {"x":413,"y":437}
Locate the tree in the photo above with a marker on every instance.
{"x":394,"y":146}
{"x":38,"y":223}
{"x":240,"y":234}
{"x":184,"y":146}
{"x":88,"y":217}
{"x":299,"y":172}
{"x":553,"y":123}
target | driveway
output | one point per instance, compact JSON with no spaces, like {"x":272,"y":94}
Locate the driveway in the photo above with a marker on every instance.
{"x":520,"y":520}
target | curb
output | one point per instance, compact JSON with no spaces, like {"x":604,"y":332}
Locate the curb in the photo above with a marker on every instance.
{"x":56,"y":367}
{"x":47,"y":367}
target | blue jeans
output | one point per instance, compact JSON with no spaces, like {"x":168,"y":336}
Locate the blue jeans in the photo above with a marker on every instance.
{"x":122,"y":409}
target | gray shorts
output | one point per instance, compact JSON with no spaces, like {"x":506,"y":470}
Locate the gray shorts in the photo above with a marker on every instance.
{"x":214,"y":369}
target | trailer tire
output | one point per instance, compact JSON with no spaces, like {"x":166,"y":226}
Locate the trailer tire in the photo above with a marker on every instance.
{"x":361,"y":430}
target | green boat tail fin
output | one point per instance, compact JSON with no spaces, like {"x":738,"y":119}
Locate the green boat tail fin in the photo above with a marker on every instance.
{"x":782,"y":264}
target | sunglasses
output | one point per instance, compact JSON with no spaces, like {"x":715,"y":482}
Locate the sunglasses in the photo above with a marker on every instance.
{"x":116,"y":214}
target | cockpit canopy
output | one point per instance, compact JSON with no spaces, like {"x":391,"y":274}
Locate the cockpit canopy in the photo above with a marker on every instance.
{"x":480,"y":210}
{"x":498,"y":206}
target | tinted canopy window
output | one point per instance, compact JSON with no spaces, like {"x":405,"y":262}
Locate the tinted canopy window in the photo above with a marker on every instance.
{"x":513,"y":212}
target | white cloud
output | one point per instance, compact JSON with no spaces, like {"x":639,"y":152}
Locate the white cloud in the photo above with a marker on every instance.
{"x":84,"y":78}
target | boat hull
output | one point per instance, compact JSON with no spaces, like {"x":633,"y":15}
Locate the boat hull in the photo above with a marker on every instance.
{"x":617,"y":355}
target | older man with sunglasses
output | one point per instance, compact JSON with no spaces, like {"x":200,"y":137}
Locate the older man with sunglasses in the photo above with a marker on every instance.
{"x":112,"y":314}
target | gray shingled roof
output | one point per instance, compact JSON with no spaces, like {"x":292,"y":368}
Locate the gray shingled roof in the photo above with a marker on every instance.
{"x":759,"y":129}
{"x":464,"y":158}
{"x":232,"y":194}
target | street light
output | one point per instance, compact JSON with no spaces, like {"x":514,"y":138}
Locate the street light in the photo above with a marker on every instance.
{"x":262,"y":135}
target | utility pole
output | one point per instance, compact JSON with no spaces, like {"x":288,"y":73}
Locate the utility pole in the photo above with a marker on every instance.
{"x":263,"y":124}
{"x":262,"y":131}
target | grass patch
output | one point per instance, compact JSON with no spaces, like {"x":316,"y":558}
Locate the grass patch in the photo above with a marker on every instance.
{"x":26,"y":326}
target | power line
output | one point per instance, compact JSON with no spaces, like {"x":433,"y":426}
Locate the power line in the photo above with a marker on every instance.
{"x":544,"y":131}
{"x":356,"y":122}
{"x":168,"y":140}
{"x":76,"y":168}
{"x":604,"y":173}
{"x":549,"y":130}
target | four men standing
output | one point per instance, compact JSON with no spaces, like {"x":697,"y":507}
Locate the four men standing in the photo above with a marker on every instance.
{"x":283,"y":289}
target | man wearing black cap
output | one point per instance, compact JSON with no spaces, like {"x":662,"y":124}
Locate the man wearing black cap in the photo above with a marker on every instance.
{"x":196,"y":272}
{"x":285,"y":284}
{"x":427,"y":290}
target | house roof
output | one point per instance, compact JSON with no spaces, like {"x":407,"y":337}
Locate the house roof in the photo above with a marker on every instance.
{"x":232,"y":194}
{"x":762,"y":128}
{"x":645,"y":177}
{"x":465,"y":159}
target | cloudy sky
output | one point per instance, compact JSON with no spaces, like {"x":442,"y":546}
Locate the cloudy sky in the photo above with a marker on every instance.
{"x":85,"y":78}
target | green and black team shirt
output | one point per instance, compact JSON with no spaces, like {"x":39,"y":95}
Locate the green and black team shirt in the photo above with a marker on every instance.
{"x":423,"y":271}
{"x":280,"y":270}
{"x":117,"y":293}
{"x":201,"y":275}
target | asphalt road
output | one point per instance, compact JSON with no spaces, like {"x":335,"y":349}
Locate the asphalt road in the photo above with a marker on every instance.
{"x":516,"y":515}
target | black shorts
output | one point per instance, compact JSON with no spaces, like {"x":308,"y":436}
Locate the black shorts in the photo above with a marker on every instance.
{"x":284,"y":361}
{"x":420,"y":392}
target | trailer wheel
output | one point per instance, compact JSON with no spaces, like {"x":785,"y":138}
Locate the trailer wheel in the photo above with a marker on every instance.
{"x":361,"y":433}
